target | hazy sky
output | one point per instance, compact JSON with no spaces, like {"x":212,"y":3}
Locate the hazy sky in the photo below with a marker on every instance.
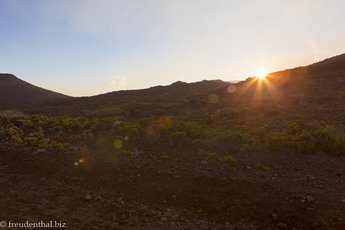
{"x":86,"y":47}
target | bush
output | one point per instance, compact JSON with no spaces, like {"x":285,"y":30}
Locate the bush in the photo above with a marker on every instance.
{"x":130,"y":130}
{"x":164,"y":157}
{"x":307,"y":138}
{"x":212,"y":157}
{"x":68,"y":123}
{"x":329,"y":140}
{"x":61,"y":146}
{"x":37,"y":138}
{"x":13,"y":133}
{"x":127,"y":153}
{"x":86,"y":134}
{"x":179,"y":137}
{"x":38,"y":120}
{"x":230,"y":161}
{"x":30,"y":141}
{"x":4,"y":120}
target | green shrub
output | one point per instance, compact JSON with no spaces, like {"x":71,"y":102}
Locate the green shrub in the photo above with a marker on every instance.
{"x":127,"y":153}
{"x":30,"y":141}
{"x":13,"y":133}
{"x":230,"y":161}
{"x":179,"y":137}
{"x":37,"y":139}
{"x":164,"y":157}
{"x":329,"y":140}
{"x":61,"y":146}
{"x":307,"y":138}
{"x":118,"y":144}
{"x":193,"y":129}
{"x":132,"y":131}
{"x":86,"y":134}
{"x":68,"y":123}
{"x":212,"y":156}
{"x":4,"y":120}
{"x":38,"y":120}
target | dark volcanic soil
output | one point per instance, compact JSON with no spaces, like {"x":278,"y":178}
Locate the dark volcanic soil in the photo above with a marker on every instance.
{"x":264,"y":191}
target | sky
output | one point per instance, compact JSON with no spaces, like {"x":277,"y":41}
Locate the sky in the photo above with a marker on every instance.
{"x":88,"y":47}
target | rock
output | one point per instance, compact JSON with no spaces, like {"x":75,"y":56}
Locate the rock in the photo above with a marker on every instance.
{"x":114,"y":225}
{"x":281,"y":225}
{"x":309,"y":198}
{"x":19,"y":123}
{"x":136,"y":152}
{"x":41,"y":151}
{"x":88,"y":197}
{"x":203,"y":162}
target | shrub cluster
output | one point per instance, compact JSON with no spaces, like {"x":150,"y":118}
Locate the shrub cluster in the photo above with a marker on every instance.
{"x":303,"y":137}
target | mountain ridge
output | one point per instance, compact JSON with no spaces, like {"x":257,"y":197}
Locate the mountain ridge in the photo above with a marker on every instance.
{"x":293,"y":82}
{"x":15,"y":92}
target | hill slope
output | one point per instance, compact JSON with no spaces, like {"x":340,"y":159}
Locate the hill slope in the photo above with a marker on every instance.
{"x":15,"y":92}
{"x":322,"y":82}
{"x":310,"y":86}
{"x":125,"y":101}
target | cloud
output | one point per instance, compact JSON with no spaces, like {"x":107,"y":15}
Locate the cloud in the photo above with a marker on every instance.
{"x":115,"y":83}
{"x":314,"y":49}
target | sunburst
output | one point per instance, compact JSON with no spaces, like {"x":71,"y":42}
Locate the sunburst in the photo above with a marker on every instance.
{"x":261,"y":73}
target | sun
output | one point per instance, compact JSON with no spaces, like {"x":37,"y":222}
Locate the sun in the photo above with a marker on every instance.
{"x":261,"y":73}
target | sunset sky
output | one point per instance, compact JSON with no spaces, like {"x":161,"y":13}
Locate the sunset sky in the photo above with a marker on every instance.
{"x":87,"y":47}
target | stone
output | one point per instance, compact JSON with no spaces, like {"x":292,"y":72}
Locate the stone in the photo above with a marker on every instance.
{"x":309,"y":198}
{"x":281,"y":225}
{"x":88,"y":197}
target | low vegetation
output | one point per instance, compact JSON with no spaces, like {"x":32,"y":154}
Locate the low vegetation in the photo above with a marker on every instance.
{"x":220,"y":131}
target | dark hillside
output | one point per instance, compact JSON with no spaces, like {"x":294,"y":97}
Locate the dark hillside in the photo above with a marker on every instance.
{"x":15,"y":92}
{"x":125,"y":101}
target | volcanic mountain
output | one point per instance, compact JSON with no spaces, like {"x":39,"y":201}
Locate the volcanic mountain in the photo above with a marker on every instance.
{"x":15,"y":92}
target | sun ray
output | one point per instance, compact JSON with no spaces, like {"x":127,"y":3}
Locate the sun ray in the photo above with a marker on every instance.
{"x":258,"y":88}
{"x":261,"y":73}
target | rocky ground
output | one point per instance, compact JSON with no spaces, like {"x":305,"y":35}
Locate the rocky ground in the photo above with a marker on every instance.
{"x":186,"y":191}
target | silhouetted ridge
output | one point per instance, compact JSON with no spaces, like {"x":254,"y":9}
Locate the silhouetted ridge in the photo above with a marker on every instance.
{"x":15,"y":92}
